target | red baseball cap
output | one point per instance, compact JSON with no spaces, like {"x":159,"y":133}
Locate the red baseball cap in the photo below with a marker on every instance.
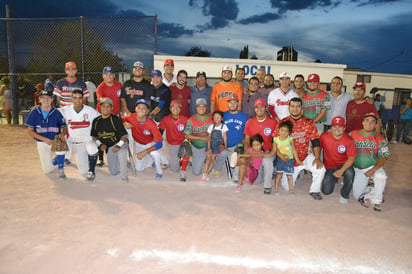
{"x":313,"y":78}
{"x":176,"y":103}
{"x":359,"y":85}
{"x":169,"y":62}
{"x":371,"y":114}
{"x":40,"y":86}
{"x":70,"y":65}
{"x":233,"y":97}
{"x":260,"y":102}
{"x":338,"y":121}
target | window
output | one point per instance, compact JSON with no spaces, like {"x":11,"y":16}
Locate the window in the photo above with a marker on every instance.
{"x":363,"y":78}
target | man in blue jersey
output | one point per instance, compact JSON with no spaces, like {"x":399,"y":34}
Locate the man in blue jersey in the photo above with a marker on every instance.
{"x":44,"y":124}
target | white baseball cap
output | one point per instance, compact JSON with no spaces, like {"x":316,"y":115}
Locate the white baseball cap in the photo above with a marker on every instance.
{"x":284,"y":75}
{"x":227,"y":67}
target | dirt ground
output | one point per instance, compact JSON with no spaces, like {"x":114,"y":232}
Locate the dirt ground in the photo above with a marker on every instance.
{"x":149,"y":226}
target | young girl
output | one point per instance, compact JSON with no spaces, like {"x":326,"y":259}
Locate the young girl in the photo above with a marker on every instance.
{"x":249,"y":165}
{"x":216,"y":144}
{"x":286,"y":152}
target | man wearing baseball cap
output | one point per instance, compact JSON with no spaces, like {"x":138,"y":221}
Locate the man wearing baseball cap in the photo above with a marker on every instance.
{"x":200,"y":90}
{"x":263,"y":125}
{"x":168,"y":76}
{"x":316,"y":102}
{"x":109,"y":88}
{"x":161,"y":97}
{"x":196,"y":133}
{"x":338,"y":157}
{"x":175,"y":124}
{"x":278,"y":99}
{"x":111,"y":137}
{"x":147,"y":138}
{"x":357,"y":108}
{"x":306,"y":135}
{"x":371,"y":154}
{"x":223,"y":90}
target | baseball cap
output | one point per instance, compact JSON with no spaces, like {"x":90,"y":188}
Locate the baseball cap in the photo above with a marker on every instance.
{"x":284,"y":75}
{"x":338,"y":121}
{"x":46,"y":93}
{"x":371,"y":114}
{"x":138,"y":64}
{"x":169,"y":62}
{"x":108,"y":70}
{"x":359,"y":85}
{"x":175,"y":103}
{"x":106,"y":100}
{"x":142,"y":101}
{"x":156,"y":72}
{"x":201,"y":101}
{"x":227,"y":67}
{"x":260,"y":103}
{"x":233,"y":97}
{"x":313,"y":78}
{"x":40,"y":86}
{"x":200,"y":73}
{"x":70,"y":65}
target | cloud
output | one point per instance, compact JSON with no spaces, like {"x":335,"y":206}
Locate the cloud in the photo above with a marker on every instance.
{"x":373,"y":2}
{"x":173,"y":30}
{"x":264,"y":18}
{"x":220,"y":11}
{"x":283,"y":6}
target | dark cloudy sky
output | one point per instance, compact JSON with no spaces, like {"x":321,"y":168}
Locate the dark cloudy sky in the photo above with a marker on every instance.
{"x":374,"y":35}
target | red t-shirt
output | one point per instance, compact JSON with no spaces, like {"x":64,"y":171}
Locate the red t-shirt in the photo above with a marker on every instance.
{"x":183,"y":95}
{"x":304,"y":130}
{"x":143,"y":133}
{"x":174,"y":129}
{"x":113,"y":92}
{"x":355,"y":113}
{"x":264,"y":128}
{"x":336,"y":151}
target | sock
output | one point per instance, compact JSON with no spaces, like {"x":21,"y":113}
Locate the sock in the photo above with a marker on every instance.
{"x":60,"y":161}
{"x":92,"y":162}
{"x":184,"y":162}
{"x":100,"y":155}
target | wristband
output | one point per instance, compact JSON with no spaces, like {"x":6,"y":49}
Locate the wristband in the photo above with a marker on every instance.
{"x":98,"y":143}
{"x":120,"y":143}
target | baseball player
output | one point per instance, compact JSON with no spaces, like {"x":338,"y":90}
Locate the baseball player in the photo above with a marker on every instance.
{"x":175,"y":124}
{"x":147,"y":137}
{"x":278,"y":99}
{"x":338,"y":157}
{"x":79,"y":118}
{"x":44,"y":124}
{"x":110,"y":135}
{"x":371,"y":154}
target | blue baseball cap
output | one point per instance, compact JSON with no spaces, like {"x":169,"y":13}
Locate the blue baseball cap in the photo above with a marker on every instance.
{"x":108,"y":69}
{"x":156,"y":72}
{"x":142,"y":101}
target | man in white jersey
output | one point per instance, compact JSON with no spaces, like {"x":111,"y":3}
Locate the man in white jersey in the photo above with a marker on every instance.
{"x":278,"y":99}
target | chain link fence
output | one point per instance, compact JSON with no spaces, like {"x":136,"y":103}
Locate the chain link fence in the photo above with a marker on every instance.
{"x":39,"y":48}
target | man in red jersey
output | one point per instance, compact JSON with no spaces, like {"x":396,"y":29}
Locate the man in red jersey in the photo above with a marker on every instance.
{"x":305,"y":133}
{"x":109,"y":88}
{"x":147,"y":138}
{"x":338,"y":156}
{"x":182,"y":92}
{"x":262,"y":124}
{"x":175,"y":124}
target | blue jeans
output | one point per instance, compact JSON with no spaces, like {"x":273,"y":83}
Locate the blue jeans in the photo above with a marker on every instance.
{"x":329,"y":181}
{"x":404,"y":127}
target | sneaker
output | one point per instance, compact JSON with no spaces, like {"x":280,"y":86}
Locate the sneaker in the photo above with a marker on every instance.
{"x":204,"y":178}
{"x":291,"y":193}
{"x":394,"y":142}
{"x":217,"y":173}
{"x":238,"y":188}
{"x":277,"y":193}
{"x":164,"y":166}
{"x":316,"y":195}
{"x":62,"y":176}
{"x":267,"y":191}
{"x":343,"y":200}
{"x":364,"y":202}
{"x":67,"y":162}
{"x":233,"y":160}
{"x":54,"y":161}
{"x":159,"y":176}
{"x":125,"y":179}
{"x":90,"y":177}
{"x":183,"y":176}
{"x":377,"y":207}
{"x":100,"y":163}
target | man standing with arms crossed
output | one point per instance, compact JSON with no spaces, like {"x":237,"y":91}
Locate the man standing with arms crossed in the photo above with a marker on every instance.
{"x":278,"y":99}
{"x":200,"y":90}
{"x":223,"y":90}
{"x":168,"y":76}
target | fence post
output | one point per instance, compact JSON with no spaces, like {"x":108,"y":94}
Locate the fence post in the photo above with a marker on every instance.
{"x":155,"y":36}
{"x":82,"y":43}
{"x":12,"y":67}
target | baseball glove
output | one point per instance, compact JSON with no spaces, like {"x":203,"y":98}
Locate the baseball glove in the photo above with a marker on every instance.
{"x":59,"y":145}
{"x":184,"y":150}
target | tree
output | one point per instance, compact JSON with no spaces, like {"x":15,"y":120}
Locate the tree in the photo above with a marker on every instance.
{"x":244,"y":53}
{"x":198,"y":51}
{"x":4,"y":64}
